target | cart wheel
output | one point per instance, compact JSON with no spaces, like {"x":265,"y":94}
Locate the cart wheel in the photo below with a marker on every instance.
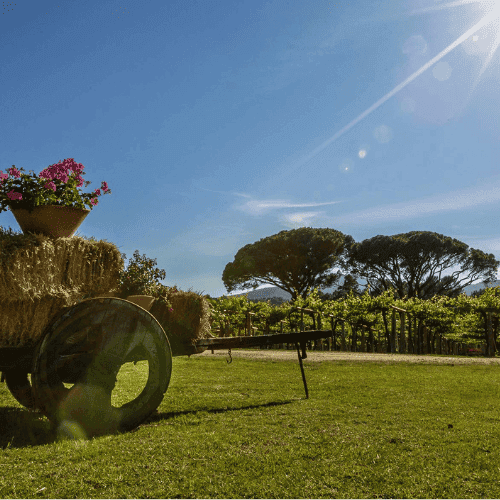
{"x":20,"y":387}
{"x":91,"y":346}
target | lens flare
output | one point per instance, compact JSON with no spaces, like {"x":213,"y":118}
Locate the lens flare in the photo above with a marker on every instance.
{"x":70,"y":430}
{"x":492,"y":8}
{"x":491,"y":20}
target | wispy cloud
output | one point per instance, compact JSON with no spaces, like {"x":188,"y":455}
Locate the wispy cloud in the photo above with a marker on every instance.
{"x":213,"y":238}
{"x":454,"y":201}
{"x":300,"y":219}
{"x":243,"y":195}
{"x":487,"y":192}
{"x":259,"y":207}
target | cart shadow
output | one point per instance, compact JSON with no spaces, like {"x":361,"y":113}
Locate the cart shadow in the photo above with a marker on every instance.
{"x":159,"y":416}
{"x":20,"y":428}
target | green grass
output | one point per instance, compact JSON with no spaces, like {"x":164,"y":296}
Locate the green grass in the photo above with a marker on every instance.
{"x":244,"y":430}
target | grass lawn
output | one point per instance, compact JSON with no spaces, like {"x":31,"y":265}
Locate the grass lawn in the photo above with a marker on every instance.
{"x":244,"y":430}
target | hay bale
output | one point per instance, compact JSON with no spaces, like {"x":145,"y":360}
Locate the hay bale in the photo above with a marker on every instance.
{"x":34,"y":266}
{"x":22,"y":323}
{"x":188,"y":322}
{"x":39,"y":276}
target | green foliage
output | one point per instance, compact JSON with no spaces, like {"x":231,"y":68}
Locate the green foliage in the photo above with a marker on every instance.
{"x":233,"y":310}
{"x":461,"y":318}
{"x":403,"y":270}
{"x":413,"y":262}
{"x":278,"y":314}
{"x":228,"y":310}
{"x":291,"y":260}
{"x":141,"y":277}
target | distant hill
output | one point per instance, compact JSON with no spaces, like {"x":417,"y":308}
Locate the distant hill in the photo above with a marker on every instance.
{"x":479,"y":286}
{"x":266,"y":293}
{"x":274,"y":292}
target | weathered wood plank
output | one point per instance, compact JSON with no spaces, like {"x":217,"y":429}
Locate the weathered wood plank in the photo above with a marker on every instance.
{"x":262,"y":340}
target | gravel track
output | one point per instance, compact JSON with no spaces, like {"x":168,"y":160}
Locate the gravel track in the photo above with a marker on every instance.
{"x":318,"y":356}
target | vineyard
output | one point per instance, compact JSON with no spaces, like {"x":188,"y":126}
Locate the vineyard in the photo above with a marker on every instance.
{"x":363,"y":323}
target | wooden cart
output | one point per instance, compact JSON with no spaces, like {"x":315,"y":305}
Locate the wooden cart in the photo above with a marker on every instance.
{"x":74,"y":366}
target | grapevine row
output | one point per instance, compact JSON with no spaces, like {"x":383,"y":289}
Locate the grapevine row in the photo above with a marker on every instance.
{"x":397,"y":323}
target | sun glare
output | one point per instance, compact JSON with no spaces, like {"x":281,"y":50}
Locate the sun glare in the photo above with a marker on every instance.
{"x":490,"y":20}
{"x":492,"y":10}
{"x":490,"y":6}
{"x":488,"y":26}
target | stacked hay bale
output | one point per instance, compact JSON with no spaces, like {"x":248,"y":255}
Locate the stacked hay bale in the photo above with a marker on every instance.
{"x":40,"y":275}
{"x":187,"y":320}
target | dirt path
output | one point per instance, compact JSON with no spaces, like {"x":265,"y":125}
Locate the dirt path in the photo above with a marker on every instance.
{"x":318,"y":356}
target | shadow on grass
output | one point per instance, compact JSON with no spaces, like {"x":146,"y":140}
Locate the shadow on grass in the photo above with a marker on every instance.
{"x":21,"y":428}
{"x":160,"y":416}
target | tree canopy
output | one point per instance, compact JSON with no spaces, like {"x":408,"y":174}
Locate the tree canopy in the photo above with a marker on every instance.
{"x":291,"y":260}
{"x":413,"y":263}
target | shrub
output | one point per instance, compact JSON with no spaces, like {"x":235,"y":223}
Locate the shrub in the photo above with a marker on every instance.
{"x":141,"y":277}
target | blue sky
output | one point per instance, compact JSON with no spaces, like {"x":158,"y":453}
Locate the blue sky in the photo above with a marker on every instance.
{"x":216,"y":124}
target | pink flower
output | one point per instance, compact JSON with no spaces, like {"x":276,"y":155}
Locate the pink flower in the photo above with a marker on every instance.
{"x":56,"y":177}
{"x":170,"y":309}
{"x":61,"y":171}
{"x":14,"y":196}
{"x":14,"y":172}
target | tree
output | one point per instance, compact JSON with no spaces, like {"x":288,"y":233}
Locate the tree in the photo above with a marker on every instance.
{"x":413,"y":264}
{"x":291,"y":260}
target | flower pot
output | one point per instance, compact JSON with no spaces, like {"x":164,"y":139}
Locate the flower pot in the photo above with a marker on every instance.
{"x":51,"y":220}
{"x":145,"y":301}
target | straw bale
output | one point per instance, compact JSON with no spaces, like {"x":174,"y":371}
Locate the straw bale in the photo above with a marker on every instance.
{"x":23,"y":323}
{"x":40,"y":275}
{"x":188,"y":322}
{"x":36,"y":266}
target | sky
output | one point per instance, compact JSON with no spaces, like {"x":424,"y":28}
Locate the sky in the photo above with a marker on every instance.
{"x":216,"y":124}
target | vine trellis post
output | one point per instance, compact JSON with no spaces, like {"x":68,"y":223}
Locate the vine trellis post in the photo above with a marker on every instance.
{"x":490,"y":337}
{"x":425,"y":337}
{"x":248,"y":327}
{"x":397,"y":344}
{"x":305,"y":309}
